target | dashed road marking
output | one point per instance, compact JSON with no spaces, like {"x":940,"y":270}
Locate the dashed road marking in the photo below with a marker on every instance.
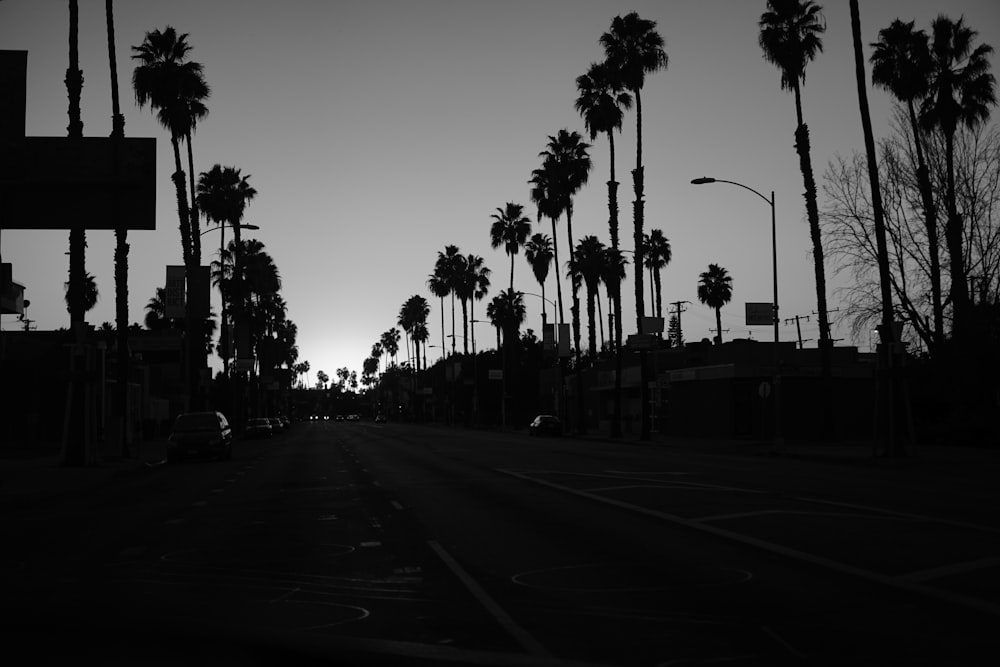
{"x":396,"y":505}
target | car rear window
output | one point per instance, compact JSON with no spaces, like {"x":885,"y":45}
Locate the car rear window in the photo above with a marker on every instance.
{"x":196,"y":422}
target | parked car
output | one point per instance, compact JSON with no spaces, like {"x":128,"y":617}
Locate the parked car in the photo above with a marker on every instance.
{"x":286,"y":421}
{"x":545,"y":425}
{"x":277,"y":426}
{"x":258,"y":427}
{"x":200,"y":434}
{"x":380,"y":419}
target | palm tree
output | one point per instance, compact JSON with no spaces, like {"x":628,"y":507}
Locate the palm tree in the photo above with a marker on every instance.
{"x":658,"y":255}
{"x":88,"y":295}
{"x":223,"y":194}
{"x":390,"y":343}
{"x":473,"y":285}
{"x":588,"y":266}
{"x":538,"y":251}
{"x":545,"y":197}
{"x":602,"y":102}
{"x":168,"y":83}
{"x":715,"y":289}
{"x":961,"y":93}
{"x":156,"y":311}
{"x":510,"y":229}
{"x":790,"y":38}
{"x":634,"y":49}
{"x":508,"y":314}
{"x":901,"y":64}
{"x":448,"y":268}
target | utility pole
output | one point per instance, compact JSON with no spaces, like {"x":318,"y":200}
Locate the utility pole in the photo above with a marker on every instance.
{"x":798,"y":325}
{"x":826,"y":335}
{"x":677,"y":311}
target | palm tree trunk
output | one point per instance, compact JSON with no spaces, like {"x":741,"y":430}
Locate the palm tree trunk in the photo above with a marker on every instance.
{"x":182,"y":203}
{"x":659,"y":293}
{"x":77,"y":235}
{"x":511,"y":273}
{"x":465,"y":327}
{"x":453,"y":323}
{"x":616,"y":421}
{"x":592,"y":329}
{"x":121,"y":240}
{"x":575,"y":314}
{"x":600,"y":316}
{"x":812,"y":212}
{"x":555,"y":256}
{"x":718,"y":325}
{"x":930,"y":222}
{"x":193,"y":212}
{"x":638,"y":219}
{"x":444,"y":350}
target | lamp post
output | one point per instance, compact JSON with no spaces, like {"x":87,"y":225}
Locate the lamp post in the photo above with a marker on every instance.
{"x":778,"y":441}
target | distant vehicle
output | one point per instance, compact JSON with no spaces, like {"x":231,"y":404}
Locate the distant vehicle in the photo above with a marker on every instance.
{"x":380,"y":419}
{"x":545,"y":425}
{"x":277,"y":426}
{"x":340,"y":418}
{"x":258,"y":427}
{"x":200,"y":434}
{"x":286,"y":421}
{"x":354,"y":418}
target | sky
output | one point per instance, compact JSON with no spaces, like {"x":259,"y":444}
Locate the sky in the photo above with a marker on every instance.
{"x":377,"y":132}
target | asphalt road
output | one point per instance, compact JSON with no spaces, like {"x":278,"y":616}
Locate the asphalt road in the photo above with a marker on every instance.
{"x":361,"y":543}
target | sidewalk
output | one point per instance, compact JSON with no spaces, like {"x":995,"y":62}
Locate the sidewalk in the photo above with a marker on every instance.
{"x":30,"y":479}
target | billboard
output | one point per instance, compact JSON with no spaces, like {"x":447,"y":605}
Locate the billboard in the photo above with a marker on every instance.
{"x":759,"y":313}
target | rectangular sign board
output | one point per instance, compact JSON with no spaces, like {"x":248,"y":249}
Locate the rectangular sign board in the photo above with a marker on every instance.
{"x":759,"y":314}
{"x":55,"y":182}
{"x":174,"y":297}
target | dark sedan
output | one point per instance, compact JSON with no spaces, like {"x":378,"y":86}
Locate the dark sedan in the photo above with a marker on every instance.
{"x":545,"y":425}
{"x":259,"y":427}
{"x":199,"y":434}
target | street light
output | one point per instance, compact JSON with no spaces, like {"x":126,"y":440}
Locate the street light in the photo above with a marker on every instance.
{"x":704,"y":180}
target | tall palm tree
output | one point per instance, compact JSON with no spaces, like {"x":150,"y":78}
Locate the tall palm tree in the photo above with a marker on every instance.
{"x":633,"y":48}
{"x":568,"y":160}
{"x":510,"y":229}
{"x":473,"y":285}
{"x":588,"y":266}
{"x":962,"y":90}
{"x":539,"y":253}
{"x":508,"y":314}
{"x":790,"y":38}
{"x":602,"y":102}
{"x":901,"y":64}
{"x":156,"y":311}
{"x":168,"y":82}
{"x":546,"y":199}
{"x":449,"y":268}
{"x":715,"y":289}
{"x":658,"y":255}
{"x":223,"y":193}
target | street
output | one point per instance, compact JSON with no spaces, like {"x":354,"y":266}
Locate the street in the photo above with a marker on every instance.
{"x":373,"y":543}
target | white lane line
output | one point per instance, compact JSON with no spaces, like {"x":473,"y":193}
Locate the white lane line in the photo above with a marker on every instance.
{"x":396,"y":505}
{"x":285,"y":595}
{"x":743,"y":515}
{"x":908,"y":515}
{"x":947,"y":570}
{"x":199,"y":503}
{"x":527,"y":642}
{"x":820,"y":561}
{"x":660,"y":482}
